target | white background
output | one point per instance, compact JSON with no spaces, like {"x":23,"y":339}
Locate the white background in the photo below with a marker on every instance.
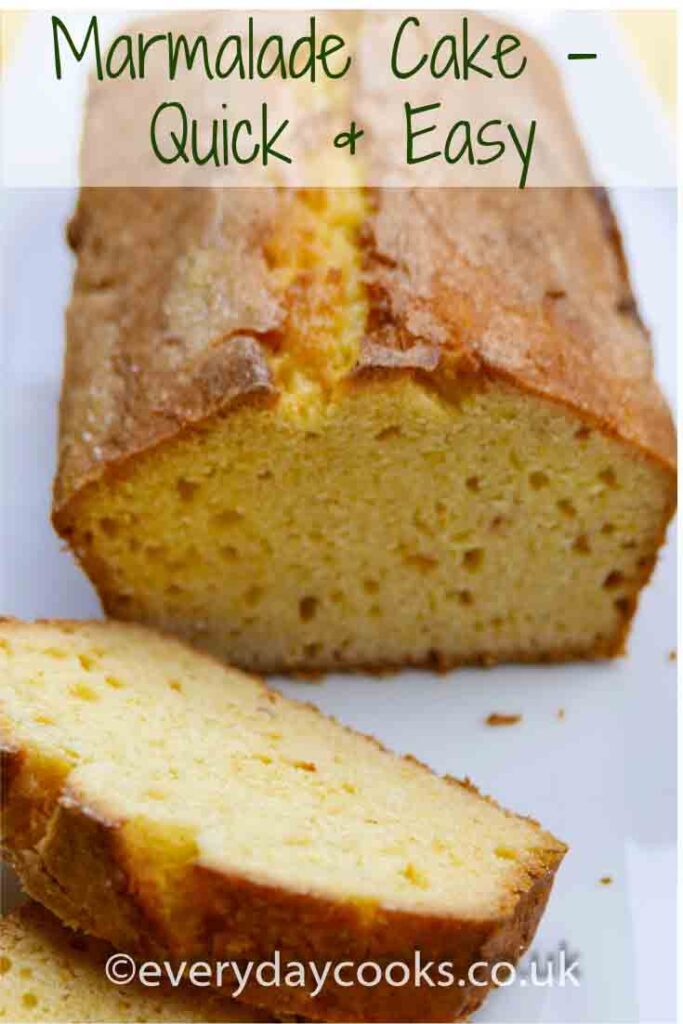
{"x":603,"y":778}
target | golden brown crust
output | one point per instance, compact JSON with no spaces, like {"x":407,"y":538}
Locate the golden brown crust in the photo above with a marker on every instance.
{"x":548,"y":308}
{"x":82,"y":862}
{"x":11,"y":759}
{"x":145,"y":357}
{"x":174,"y":296}
{"x":530,"y":286}
{"x":80,"y":871}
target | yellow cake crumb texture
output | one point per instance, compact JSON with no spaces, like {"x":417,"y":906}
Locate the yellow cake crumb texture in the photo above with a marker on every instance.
{"x":50,"y":973}
{"x":316,"y":261}
{"x":385,"y":526}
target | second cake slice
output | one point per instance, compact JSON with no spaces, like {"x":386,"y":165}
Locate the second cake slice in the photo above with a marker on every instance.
{"x":154,"y":798}
{"x":51,"y":973}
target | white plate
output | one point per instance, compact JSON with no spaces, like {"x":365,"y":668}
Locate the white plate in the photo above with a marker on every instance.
{"x":602,"y":778}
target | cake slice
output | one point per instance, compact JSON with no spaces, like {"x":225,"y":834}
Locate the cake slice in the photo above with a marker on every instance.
{"x":175,"y":807}
{"x":51,"y":973}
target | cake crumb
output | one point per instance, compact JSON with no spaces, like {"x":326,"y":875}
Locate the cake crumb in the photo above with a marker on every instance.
{"x":606,"y":880}
{"x":496,"y":718}
{"x":415,"y":876}
{"x":673,"y":655}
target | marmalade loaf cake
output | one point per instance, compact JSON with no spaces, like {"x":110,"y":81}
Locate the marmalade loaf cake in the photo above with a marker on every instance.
{"x":308,"y":439}
{"x":50,"y":973}
{"x":364,"y":427}
{"x":175,"y":807}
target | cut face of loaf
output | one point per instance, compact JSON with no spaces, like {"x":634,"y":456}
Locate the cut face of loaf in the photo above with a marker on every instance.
{"x":154,"y":798}
{"x":339,"y":430}
{"x":50,"y":973}
{"x":389,"y":528}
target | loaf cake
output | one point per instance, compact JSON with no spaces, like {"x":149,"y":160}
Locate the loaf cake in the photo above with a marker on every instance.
{"x":343,"y":428}
{"x":175,"y":807}
{"x":307,"y":438}
{"x":51,"y":973}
